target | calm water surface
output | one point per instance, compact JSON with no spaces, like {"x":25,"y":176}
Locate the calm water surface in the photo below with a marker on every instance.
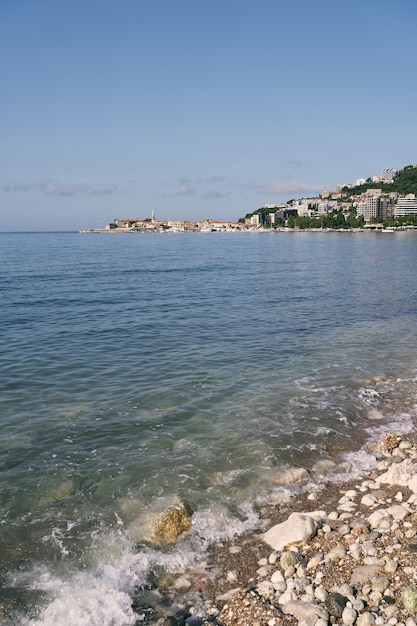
{"x":139,"y":370}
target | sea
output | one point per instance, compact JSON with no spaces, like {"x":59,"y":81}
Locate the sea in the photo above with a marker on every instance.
{"x":224,"y":372}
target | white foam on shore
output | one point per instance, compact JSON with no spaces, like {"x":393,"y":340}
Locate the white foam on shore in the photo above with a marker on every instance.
{"x":102,"y":594}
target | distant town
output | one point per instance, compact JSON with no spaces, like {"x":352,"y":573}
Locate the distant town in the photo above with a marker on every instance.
{"x":386,"y":201}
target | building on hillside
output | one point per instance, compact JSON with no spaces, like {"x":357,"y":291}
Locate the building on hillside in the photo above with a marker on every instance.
{"x":282,"y":215}
{"x":373,"y":208}
{"x":389,"y":175}
{"x":324,"y":207}
{"x":372,"y":193}
{"x":406,"y":206}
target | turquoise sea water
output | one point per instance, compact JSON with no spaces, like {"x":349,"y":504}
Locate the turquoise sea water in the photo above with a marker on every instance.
{"x":137,"y":370}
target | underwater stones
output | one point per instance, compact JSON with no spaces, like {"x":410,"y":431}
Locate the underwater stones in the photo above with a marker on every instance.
{"x":65,"y":490}
{"x":297,"y":530}
{"x":291,"y":475}
{"x":323,"y":467}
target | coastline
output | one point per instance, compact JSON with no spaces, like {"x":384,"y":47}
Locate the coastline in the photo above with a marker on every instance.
{"x":372,"y":229}
{"x":356,"y":567}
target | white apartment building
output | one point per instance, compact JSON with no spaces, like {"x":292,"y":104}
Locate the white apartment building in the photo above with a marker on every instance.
{"x":389,"y":174}
{"x":406,"y":206}
{"x":326,"y":206}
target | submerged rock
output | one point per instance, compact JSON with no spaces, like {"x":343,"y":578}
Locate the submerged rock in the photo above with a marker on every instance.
{"x":66,"y":490}
{"x":172,"y":523}
{"x":162,"y":527}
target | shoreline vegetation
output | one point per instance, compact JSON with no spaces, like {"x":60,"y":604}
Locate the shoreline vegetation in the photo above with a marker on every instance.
{"x":343,"y":555}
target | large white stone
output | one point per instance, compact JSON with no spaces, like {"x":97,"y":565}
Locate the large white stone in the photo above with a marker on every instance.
{"x":412,"y":483}
{"x":380,"y":519}
{"x":398,"y":512}
{"x":298,"y":529}
{"x":397,"y":474}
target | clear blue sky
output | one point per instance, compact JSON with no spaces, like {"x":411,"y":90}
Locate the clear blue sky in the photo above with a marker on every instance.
{"x":197,"y":108}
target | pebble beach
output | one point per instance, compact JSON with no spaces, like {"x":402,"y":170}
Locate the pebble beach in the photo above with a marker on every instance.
{"x":345,"y":555}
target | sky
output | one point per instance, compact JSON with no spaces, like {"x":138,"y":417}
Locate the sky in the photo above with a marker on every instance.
{"x":197,"y":109}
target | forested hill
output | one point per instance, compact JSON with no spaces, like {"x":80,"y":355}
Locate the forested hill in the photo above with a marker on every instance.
{"x":405,"y":183}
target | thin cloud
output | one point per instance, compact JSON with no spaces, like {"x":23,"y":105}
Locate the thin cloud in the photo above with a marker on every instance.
{"x":188,"y":187}
{"x":283,"y":186}
{"x":52,"y":187}
{"x":185,"y":188}
{"x":215,"y":194}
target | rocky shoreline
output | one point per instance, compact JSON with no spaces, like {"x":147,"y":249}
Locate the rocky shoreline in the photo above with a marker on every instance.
{"x":345,"y":556}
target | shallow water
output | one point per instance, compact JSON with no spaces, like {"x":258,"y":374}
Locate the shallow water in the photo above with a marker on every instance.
{"x":138,"y":369}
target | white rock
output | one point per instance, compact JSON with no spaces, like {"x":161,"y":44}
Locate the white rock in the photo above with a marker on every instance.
{"x":300,"y":610}
{"x":397,"y":474}
{"x":349,"y":616}
{"x":412,"y":484}
{"x":321,"y":594}
{"x":369,"y":500}
{"x":277,"y":577}
{"x":316,"y":515}
{"x":314,"y":561}
{"x":263,"y":571}
{"x":298,"y":529}
{"x":390,"y":611}
{"x":366,"y":619}
{"x":348,"y":507}
{"x":265,"y":589}
{"x":333,"y":515}
{"x":405,"y":445}
{"x":380,"y":519}
{"x":286,"y":597}
{"x":344,"y":499}
{"x":352,"y":493}
{"x":398,"y":512}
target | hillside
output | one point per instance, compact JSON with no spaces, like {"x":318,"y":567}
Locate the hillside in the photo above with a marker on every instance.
{"x":405,"y":183}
